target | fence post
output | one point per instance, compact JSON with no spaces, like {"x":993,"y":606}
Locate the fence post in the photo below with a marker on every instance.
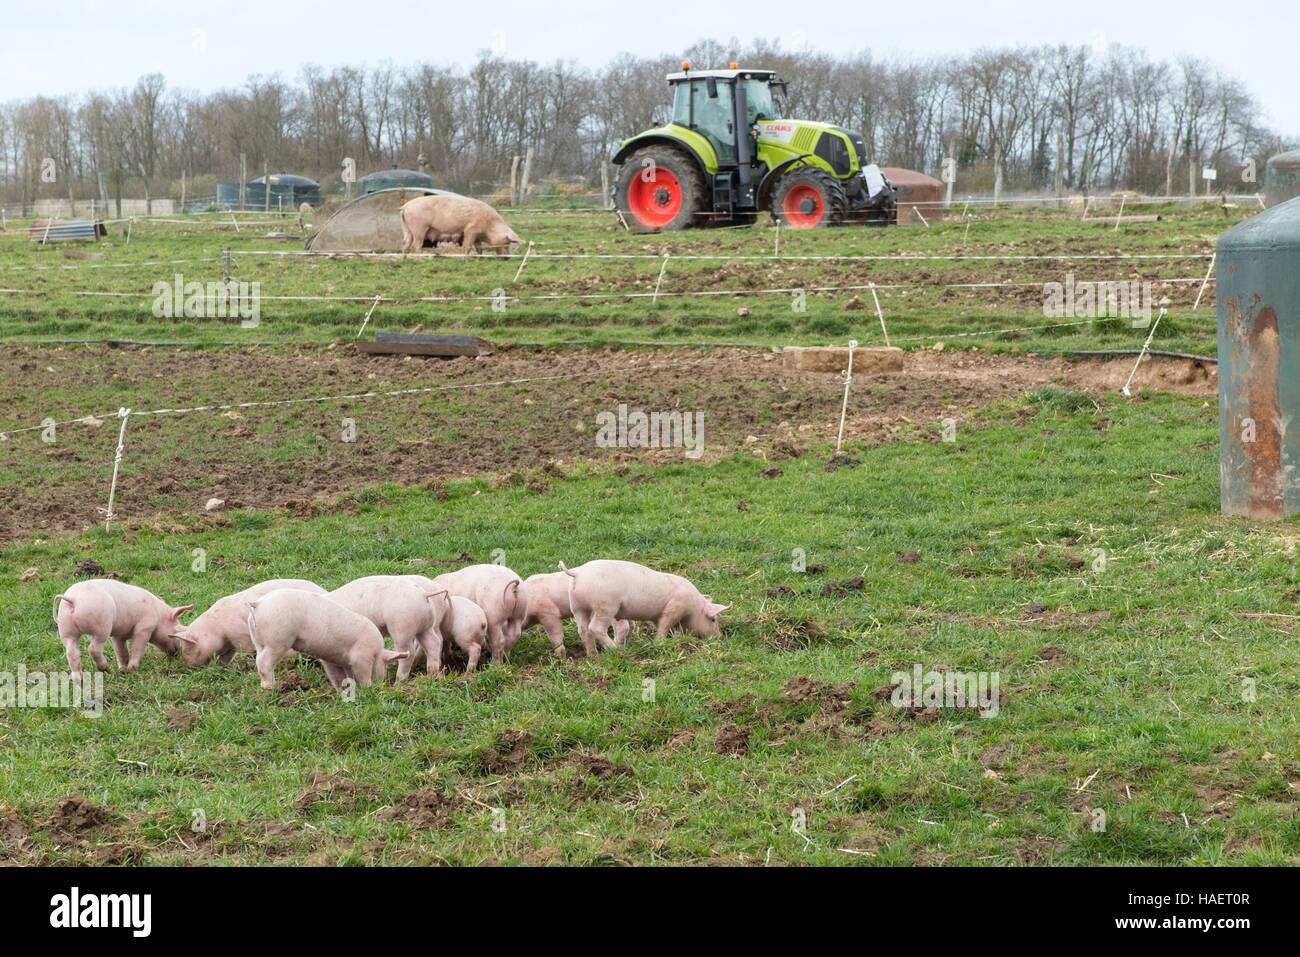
{"x":124,"y":415}
{"x":848,"y":380}
{"x":528,"y":169}
{"x":662,"y":269}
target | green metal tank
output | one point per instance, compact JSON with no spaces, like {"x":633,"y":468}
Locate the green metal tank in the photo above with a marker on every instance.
{"x":1257,"y":287}
{"x":1282,"y":178}
{"x":393,"y":179}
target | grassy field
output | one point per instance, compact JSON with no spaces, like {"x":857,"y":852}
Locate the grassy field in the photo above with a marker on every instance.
{"x":737,"y":293}
{"x":1068,"y":542}
{"x":1122,"y":680}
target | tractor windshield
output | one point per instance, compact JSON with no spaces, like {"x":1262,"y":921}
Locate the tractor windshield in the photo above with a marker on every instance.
{"x":758,"y":96}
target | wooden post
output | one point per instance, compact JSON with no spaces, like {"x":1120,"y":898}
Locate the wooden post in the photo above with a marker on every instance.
{"x":243,"y":178}
{"x":266,"y":182}
{"x":514,"y":181}
{"x":182,"y":192}
{"x":1060,"y":164}
{"x":605,"y":199}
{"x":997,"y":179}
{"x":528,"y":168}
{"x":952,"y":152}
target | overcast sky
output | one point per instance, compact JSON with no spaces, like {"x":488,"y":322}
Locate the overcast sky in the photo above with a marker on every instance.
{"x":217,"y":43}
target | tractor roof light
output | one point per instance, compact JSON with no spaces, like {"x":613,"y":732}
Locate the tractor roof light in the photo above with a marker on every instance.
{"x":735,"y":65}
{"x":686,"y":65}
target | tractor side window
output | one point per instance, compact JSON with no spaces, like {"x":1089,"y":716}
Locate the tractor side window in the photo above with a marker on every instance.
{"x":682,"y":104}
{"x":714,"y":117}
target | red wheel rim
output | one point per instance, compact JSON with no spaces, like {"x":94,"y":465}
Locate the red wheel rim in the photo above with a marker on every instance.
{"x":655,"y":202}
{"x":802,"y":206}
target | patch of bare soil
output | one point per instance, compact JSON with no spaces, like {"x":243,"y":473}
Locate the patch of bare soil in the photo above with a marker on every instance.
{"x":74,"y":815}
{"x":181,"y":720}
{"x":732,"y":739}
{"x":425,"y":809}
{"x":293,"y":456}
{"x":334,"y":789}
{"x":508,"y":754}
{"x":14,"y":836}
{"x":599,"y":767}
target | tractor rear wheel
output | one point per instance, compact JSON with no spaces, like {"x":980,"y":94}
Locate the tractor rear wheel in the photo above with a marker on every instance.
{"x":660,"y":188}
{"x":807,"y":198}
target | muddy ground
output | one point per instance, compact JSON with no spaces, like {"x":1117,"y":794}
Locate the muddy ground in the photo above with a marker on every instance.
{"x":293,"y":456}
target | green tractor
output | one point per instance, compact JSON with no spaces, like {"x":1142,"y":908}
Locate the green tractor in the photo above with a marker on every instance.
{"x":725,"y":157}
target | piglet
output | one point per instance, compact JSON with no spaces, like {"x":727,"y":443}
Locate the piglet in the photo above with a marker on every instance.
{"x":104,"y":609}
{"x":465,"y":625}
{"x":603,"y":591}
{"x":548,"y":606}
{"x":503,"y":597}
{"x":347,"y":645}
{"x":222,"y":630}
{"x":407,"y":608}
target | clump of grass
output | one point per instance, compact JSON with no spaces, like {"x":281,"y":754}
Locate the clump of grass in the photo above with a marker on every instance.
{"x":1065,"y":400}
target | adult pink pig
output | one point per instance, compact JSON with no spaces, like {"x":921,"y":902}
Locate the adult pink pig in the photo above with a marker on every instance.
{"x":603,"y":591}
{"x":106,"y":609}
{"x":222,"y":630}
{"x":346,"y":644}
{"x":435,"y":218}
{"x":503,"y":597}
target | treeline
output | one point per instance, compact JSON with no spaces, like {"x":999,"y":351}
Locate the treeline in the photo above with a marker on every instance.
{"x":1120,"y":119}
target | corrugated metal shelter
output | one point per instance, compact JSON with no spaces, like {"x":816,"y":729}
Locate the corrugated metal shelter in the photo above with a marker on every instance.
{"x":393,"y":178}
{"x":916,"y":191}
{"x":1282,"y":178}
{"x":54,"y":230}
{"x":368,"y":223}
{"x":1258,"y":292}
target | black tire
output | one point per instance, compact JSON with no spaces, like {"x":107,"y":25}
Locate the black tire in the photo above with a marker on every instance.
{"x":632,"y":189}
{"x":832,"y":203}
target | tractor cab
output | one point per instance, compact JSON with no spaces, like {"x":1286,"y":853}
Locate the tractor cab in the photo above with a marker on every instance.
{"x":727,"y":154}
{"x":724,"y":105}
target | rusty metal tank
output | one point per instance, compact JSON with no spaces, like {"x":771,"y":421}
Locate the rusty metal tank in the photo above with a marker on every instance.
{"x":1282,"y":178}
{"x":1258,"y":292}
{"x":916,"y":193}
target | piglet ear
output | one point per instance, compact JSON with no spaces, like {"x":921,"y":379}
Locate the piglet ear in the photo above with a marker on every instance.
{"x":186,"y":636}
{"x":177,"y":612}
{"x":390,"y":655}
{"x":714,"y":609}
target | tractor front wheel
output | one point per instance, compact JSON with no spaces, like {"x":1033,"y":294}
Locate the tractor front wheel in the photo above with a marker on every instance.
{"x":807,"y":198}
{"x":660,"y":188}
